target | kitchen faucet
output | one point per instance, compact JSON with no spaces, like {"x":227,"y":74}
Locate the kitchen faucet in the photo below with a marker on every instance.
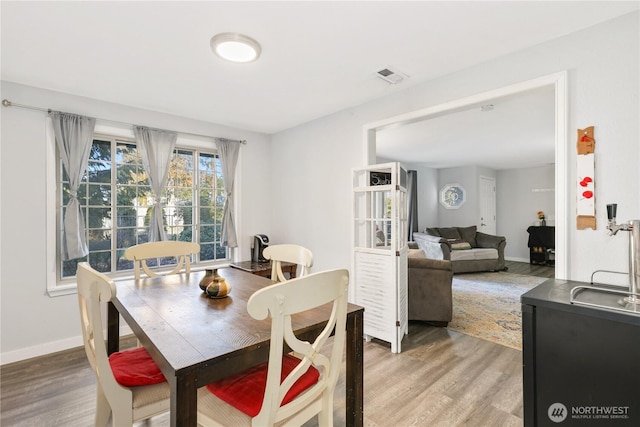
{"x":633,"y":227}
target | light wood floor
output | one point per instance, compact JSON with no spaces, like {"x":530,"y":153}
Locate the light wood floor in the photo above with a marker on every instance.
{"x":441,"y":378}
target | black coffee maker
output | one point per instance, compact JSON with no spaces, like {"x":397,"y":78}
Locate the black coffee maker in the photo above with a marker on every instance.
{"x":260,"y":241}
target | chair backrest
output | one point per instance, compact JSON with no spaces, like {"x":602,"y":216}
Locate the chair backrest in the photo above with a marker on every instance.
{"x":281,"y":301}
{"x":182,"y":251}
{"x":94,"y":289}
{"x":288,"y":253}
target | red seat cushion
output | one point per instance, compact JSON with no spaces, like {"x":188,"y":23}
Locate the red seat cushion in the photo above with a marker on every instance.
{"x":134,"y":368}
{"x":245,"y":390}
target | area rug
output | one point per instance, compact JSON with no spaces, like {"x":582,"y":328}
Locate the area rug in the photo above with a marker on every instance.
{"x":487,"y":306}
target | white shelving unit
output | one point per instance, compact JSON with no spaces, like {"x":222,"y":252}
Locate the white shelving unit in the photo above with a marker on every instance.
{"x":380,"y":251}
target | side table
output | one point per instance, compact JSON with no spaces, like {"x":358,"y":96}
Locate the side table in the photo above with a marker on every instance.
{"x":264,"y":268}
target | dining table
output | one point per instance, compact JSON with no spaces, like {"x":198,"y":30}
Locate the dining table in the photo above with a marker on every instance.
{"x":196,"y":340}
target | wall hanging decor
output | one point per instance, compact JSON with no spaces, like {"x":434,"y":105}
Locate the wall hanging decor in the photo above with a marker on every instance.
{"x":585,"y":185}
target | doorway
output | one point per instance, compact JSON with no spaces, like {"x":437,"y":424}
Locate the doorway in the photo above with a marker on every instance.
{"x":559,"y":82}
{"x":487,"y":205}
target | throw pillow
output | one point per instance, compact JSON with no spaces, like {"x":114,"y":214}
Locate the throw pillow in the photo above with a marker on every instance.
{"x":433,"y":232}
{"x":460,"y":245}
{"x":468,"y":234}
{"x":450,"y":233}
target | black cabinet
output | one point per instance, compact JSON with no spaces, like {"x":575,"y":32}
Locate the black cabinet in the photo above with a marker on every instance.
{"x":580,"y":364}
{"x":542,"y":244}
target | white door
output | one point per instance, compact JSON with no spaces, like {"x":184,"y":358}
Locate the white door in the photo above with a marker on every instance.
{"x":487,"y":205}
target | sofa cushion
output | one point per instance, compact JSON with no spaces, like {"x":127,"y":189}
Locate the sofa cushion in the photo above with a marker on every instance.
{"x":450,"y":233}
{"x":433,"y":232}
{"x":474,"y":254}
{"x":468,"y":234}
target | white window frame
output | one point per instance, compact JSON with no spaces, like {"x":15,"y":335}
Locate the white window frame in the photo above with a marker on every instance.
{"x":56,"y":287}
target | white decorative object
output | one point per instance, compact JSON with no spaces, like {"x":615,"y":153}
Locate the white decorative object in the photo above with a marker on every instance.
{"x":380,"y":251}
{"x":452,"y":196}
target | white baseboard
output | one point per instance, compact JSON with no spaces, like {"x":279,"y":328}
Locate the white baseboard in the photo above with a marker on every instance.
{"x":50,"y":347}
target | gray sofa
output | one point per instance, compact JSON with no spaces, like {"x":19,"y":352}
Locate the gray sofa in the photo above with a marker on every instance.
{"x":467,"y":249}
{"x":429,"y":288}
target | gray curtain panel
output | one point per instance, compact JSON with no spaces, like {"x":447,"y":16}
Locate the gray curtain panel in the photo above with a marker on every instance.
{"x":74,"y":137}
{"x":412,"y":200}
{"x":228,"y":152}
{"x":156,"y":148}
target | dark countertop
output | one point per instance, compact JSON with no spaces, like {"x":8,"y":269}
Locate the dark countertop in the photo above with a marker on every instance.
{"x":556,"y":294}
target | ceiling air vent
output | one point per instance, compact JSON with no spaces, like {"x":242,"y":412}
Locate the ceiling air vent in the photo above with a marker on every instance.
{"x":390,"y":75}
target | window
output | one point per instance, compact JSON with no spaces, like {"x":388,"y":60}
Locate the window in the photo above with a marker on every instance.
{"x":117,"y":201}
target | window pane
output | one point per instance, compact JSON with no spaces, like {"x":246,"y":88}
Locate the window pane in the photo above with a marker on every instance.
{"x":99,"y":240}
{"x":127,"y":153}
{"x":221,"y":252}
{"x":100,"y":150}
{"x":126,"y":238}
{"x":69,"y":267}
{"x":99,"y":218}
{"x":143,"y":235}
{"x":99,"y":171}
{"x":126,"y":216}
{"x":100,"y":261}
{"x":99,"y":195}
{"x":129,"y":174}
{"x":207,"y":234}
{"x":185,"y":234}
{"x":207,"y":251}
{"x":123,"y":264}
{"x":181,"y":169}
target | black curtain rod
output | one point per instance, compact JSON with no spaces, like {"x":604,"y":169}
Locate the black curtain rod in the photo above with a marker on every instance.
{"x":7,"y":103}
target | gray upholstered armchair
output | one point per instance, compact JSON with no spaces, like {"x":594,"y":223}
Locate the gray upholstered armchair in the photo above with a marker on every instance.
{"x":430,"y":297}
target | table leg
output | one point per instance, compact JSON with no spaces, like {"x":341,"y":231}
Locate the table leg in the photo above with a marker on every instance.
{"x":113,"y":329}
{"x":355,"y":370}
{"x":184,"y":400}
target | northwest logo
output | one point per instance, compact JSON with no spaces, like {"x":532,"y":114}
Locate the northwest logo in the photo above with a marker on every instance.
{"x":557,"y":412}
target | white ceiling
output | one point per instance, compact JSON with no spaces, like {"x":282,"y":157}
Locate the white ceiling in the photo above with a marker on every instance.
{"x":317,"y":57}
{"x":519,"y":132}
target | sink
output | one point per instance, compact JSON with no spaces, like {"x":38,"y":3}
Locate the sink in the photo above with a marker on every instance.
{"x":606,"y":298}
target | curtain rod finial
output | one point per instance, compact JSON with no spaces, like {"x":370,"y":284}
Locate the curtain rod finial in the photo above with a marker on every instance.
{"x":6,"y":103}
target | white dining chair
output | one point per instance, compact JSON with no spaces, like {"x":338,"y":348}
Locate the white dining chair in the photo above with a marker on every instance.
{"x":288,"y":253}
{"x":130,"y":386}
{"x":257,"y":396}
{"x":143,"y":252}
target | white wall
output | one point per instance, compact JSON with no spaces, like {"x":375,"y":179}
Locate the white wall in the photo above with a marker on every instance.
{"x":33,"y":323}
{"x":517,"y":206}
{"x":603,"y":69}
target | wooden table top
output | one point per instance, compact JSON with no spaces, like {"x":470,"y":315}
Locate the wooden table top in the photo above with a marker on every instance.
{"x":196,"y":340}
{"x":188,"y":329}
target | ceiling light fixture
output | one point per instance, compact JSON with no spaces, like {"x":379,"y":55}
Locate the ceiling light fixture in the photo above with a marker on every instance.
{"x":235,"y":47}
